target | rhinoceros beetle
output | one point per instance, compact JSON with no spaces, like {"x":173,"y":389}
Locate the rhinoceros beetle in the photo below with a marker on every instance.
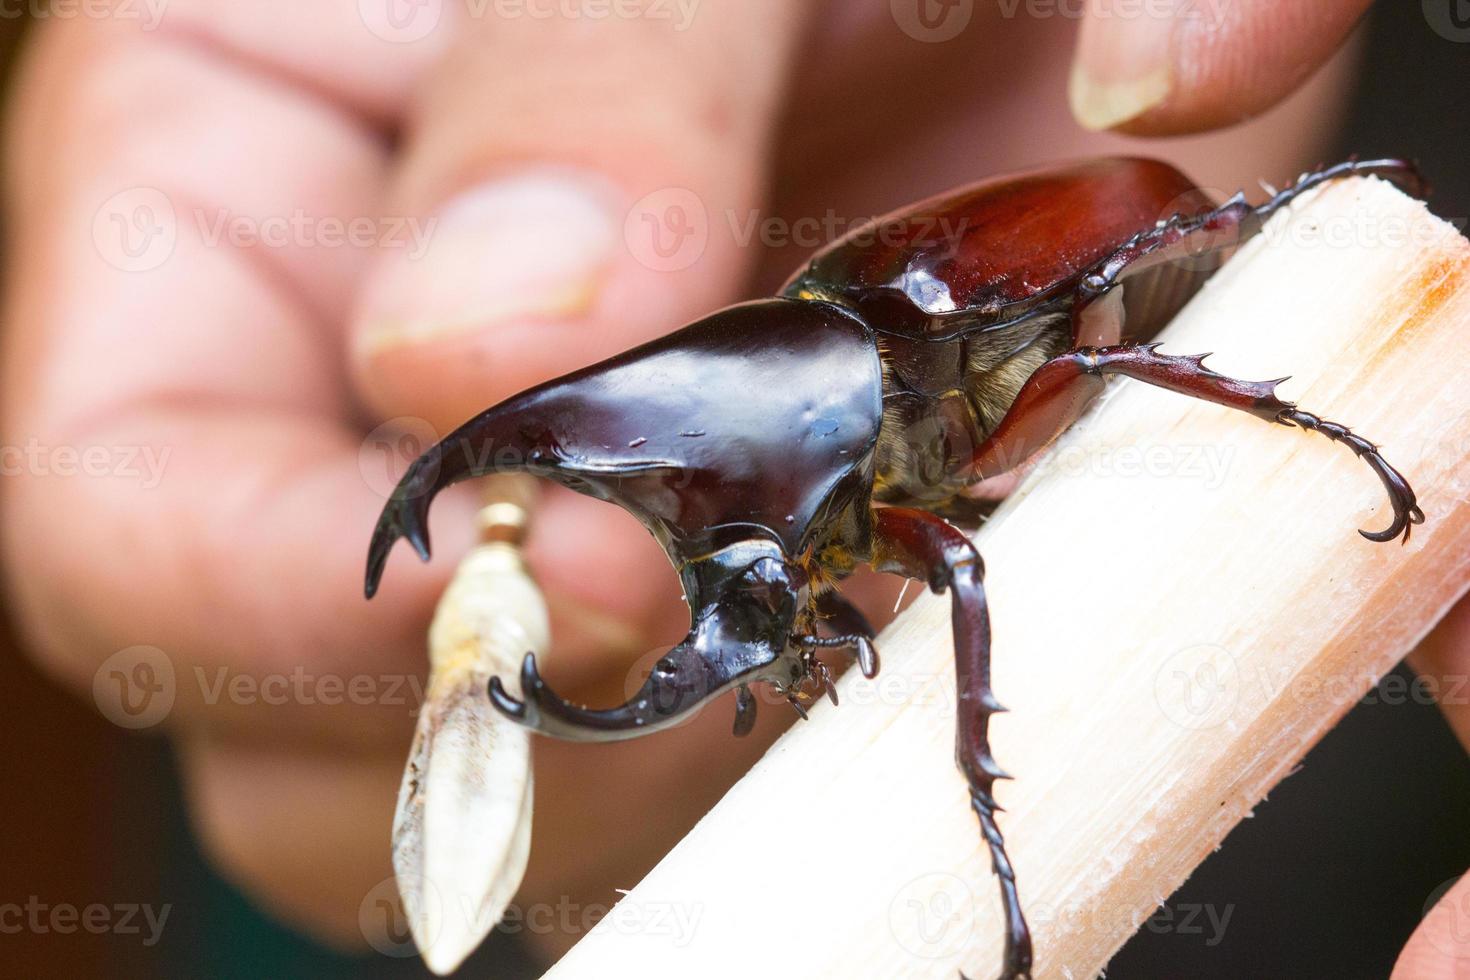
{"x":774,"y":446}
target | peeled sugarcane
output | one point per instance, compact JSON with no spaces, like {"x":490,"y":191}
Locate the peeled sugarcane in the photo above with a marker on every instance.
{"x":462,"y":828}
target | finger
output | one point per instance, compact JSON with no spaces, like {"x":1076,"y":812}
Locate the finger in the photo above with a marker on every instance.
{"x":365,"y":56}
{"x":530,"y":147}
{"x":1443,"y":661}
{"x":1439,"y":949}
{"x":201,"y":368}
{"x":1181,"y":66}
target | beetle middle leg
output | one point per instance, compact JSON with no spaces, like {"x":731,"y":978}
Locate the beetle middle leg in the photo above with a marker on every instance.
{"x":920,"y":545}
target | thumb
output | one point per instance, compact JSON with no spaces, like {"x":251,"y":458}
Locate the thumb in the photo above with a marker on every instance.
{"x":574,"y":172}
{"x":1181,"y":66}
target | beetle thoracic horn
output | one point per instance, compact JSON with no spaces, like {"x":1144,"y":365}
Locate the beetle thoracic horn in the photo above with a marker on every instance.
{"x":495,"y":441}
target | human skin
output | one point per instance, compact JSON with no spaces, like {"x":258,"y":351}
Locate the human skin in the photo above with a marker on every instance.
{"x":527,"y":141}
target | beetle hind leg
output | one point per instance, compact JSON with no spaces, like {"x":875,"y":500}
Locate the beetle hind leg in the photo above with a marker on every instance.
{"x":1406,"y":511}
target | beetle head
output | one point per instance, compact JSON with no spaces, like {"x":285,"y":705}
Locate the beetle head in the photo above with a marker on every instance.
{"x":744,"y":600}
{"x":738,"y":441}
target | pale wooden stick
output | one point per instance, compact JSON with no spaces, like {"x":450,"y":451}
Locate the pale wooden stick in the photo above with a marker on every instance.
{"x":1182,"y":607}
{"x":462,"y":827}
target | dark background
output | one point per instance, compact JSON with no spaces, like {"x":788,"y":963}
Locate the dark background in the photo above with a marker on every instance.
{"x":1327,"y":880}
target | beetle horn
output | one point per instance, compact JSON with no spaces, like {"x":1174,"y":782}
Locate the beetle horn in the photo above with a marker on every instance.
{"x":497,"y":440}
{"x":546,"y":712}
{"x":656,"y":706}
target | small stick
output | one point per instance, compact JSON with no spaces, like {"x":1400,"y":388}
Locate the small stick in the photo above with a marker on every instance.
{"x":462,"y":829}
{"x":1182,"y":607}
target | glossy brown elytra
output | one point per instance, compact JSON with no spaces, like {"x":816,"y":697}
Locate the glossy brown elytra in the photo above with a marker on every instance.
{"x":774,"y":446}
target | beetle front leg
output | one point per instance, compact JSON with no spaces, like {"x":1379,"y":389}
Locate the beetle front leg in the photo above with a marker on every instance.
{"x":918,"y":544}
{"x":850,"y":630}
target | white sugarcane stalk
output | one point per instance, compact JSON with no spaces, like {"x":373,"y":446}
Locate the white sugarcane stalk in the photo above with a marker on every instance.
{"x":462,"y":829}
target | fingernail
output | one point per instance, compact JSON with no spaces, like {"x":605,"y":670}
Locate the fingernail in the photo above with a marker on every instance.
{"x":530,"y":246}
{"x":1122,"y":68}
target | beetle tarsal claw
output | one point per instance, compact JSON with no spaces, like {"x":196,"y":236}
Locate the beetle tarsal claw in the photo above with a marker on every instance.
{"x":863,"y":647}
{"x":795,"y":701}
{"x":1406,"y":510}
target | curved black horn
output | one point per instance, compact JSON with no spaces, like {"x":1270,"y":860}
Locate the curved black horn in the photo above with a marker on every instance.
{"x":545,"y":712}
{"x":497,"y":440}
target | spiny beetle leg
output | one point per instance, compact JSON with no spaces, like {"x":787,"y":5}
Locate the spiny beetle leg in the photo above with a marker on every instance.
{"x":920,"y":545}
{"x":1189,"y":376}
{"x":1184,"y":236}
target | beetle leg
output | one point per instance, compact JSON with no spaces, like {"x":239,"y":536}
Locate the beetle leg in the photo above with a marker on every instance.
{"x":851,"y":628}
{"x":1189,"y":376}
{"x":920,"y":545}
{"x":1058,"y":392}
{"x":1187,"y":236}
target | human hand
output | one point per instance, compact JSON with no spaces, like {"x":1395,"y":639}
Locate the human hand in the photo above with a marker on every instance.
{"x":536,"y":154}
